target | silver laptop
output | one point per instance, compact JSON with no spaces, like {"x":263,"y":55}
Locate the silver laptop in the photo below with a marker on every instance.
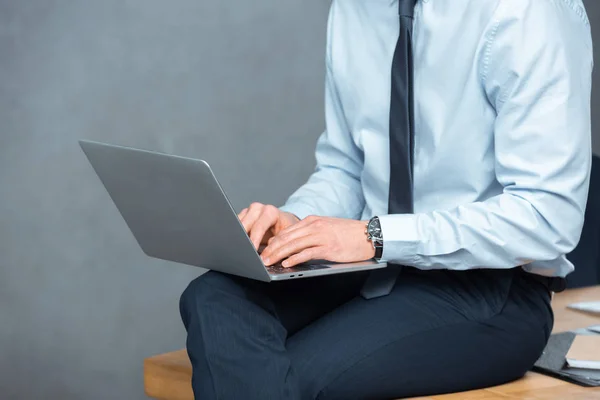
{"x":177,"y":211}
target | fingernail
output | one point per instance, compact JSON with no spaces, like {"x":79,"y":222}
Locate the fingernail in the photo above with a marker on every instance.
{"x":285,"y":264}
{"x":266,"y":260}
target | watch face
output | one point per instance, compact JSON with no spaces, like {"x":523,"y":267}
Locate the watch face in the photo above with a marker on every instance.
{"x":374,"y":229}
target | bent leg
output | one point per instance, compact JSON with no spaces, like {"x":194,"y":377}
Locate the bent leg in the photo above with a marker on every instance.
{"x":437,"y":332}
{"x":237,"y":330}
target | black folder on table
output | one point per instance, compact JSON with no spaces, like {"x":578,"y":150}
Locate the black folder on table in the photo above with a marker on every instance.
{"x":553,"y":362}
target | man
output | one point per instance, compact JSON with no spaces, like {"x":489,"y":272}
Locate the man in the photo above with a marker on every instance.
{"x":472,"y":165}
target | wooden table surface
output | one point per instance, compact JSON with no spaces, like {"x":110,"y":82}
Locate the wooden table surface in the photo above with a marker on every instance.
{"x":167,"y":376}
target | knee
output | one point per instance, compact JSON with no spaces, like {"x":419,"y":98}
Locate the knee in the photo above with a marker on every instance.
{"x":201,"y":289}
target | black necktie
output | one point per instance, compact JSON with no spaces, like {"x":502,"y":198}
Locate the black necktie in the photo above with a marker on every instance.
{"x":381,"y":282}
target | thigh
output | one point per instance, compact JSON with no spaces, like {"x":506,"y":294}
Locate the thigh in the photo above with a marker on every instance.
{"x":295,"y":303}
{"x":437,"y":332}
{"x":299,"y":302}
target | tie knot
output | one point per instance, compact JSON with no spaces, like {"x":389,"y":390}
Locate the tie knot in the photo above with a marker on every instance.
{"x":406,"y":8}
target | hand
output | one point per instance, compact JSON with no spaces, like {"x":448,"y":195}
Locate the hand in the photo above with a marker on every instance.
{"x":262,"y":222}
{"x":316,"y":238}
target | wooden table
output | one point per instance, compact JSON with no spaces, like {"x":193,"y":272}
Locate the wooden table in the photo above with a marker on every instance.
{"x":167,"y":376}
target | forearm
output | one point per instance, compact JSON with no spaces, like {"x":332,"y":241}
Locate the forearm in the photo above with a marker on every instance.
{"x":334,"y":189}
{"x":503,"y":232}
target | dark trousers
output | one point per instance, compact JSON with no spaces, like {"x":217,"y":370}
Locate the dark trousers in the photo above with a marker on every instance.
{"x":437,"y":332}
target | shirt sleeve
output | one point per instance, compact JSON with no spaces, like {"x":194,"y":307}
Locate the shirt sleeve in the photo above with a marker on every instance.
{"x":334,"y":189}
{"x":536,"y":72}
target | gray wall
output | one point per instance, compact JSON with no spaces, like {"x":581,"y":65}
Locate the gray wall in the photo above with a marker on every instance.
{"x":238,"y":83}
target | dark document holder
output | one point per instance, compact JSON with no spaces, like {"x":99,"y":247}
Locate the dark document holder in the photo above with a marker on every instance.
{"x":553,"y":362}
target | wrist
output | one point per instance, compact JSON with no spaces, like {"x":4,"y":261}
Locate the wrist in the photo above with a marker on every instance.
{"x":368,"y":244}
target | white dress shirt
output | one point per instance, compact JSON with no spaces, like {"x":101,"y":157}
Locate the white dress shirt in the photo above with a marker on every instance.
{"x":502,"y":131}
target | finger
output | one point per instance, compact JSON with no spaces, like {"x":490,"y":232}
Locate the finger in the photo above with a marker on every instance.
{"x":309,"y":226}
{"x":242,"y":214}
{"x":259,"y":229}
{"x":292,"y":248}
{"x":313,"y":253}
{"x":251,"y":217}
{"x":301,"y":224}
{"x":262,"y":227}
{"x":277,"y":242}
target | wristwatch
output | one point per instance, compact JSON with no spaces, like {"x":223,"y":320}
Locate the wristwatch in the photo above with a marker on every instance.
{"x":375,"y":235}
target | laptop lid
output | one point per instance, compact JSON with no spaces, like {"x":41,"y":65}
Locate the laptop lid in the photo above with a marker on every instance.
{"x":175,"y":208}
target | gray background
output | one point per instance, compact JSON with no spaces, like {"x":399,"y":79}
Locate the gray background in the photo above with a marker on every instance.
{"x":237,"y":83}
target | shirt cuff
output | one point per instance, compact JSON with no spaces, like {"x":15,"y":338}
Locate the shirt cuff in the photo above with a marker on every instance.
{"x":300,"y":210}
{"x":401,"y":238}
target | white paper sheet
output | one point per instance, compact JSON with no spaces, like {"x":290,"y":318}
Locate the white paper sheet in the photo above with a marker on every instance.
{"x":587,"y":306}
